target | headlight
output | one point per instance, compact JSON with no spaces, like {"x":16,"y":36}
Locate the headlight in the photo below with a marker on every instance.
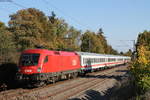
{"x":39,"y":69}
{"x":18,"y":70}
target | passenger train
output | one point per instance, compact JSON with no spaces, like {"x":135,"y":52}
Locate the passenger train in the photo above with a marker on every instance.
{"x":41,"y":66}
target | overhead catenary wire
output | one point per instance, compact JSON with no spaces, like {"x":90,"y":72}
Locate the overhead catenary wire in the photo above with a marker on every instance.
{"x":17,"y":4}
{"x":6,"y":9}
{"x":56,"y":8}
{"x":67,"y":15}
{"x":127,"y":45}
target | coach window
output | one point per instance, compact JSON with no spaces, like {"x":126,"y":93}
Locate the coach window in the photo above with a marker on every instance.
{"x":109,"y":59}
{"x":84,"y":61}
{"x":114,"y":59}
{"x":97,"y":60}
{"x":46,"y":59}
{"x":102,"y":59}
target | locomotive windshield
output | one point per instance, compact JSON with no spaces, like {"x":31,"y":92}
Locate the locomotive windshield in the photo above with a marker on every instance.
{"x":29,"y":59}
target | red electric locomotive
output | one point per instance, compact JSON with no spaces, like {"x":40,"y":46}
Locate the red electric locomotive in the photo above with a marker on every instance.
{"x":38,"y":66}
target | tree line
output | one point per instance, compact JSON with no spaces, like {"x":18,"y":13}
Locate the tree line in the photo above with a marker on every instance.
{"x":28,"y":28}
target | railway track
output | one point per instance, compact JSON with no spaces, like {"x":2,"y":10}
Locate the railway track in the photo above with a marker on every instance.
{"x":18,"y":92}
{"x":84,"y":84}
{"x":64,"y":94}
{"x":61,"y":90}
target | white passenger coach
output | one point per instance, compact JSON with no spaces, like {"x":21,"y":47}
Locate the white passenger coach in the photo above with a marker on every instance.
{"x":94,"y":61}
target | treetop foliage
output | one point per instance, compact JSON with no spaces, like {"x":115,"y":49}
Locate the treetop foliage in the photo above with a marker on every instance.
{"x":144,"y":39}
{"x":30,"y":27}
{"x":96,"y":42}
{"x":5,"y":37}
{"x":128,"y":53}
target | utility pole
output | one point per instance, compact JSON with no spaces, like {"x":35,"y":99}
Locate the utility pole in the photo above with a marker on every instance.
{"x":134,"y":45}
{"x":89,"y":43}
{"x":134,"y":50}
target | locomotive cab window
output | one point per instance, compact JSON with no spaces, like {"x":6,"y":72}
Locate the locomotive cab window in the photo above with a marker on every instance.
{"x":46,"y":59}
{"x":29,"y":59}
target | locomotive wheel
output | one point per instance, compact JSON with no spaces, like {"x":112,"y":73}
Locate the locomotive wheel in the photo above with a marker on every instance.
{"x":74,"y":75}
{"x":39,"y":84}
{"x":68,"y":76}
{"x":54,"y":80}
{"x":3,"y":87}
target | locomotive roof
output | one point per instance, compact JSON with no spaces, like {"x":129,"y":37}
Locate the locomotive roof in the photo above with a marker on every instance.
{"x":51,"y":52}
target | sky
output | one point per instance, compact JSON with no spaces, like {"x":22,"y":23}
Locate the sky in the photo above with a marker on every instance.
{"x":121,"y":20}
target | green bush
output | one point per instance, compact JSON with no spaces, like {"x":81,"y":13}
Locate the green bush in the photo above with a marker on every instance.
{"x":140,"y":69}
